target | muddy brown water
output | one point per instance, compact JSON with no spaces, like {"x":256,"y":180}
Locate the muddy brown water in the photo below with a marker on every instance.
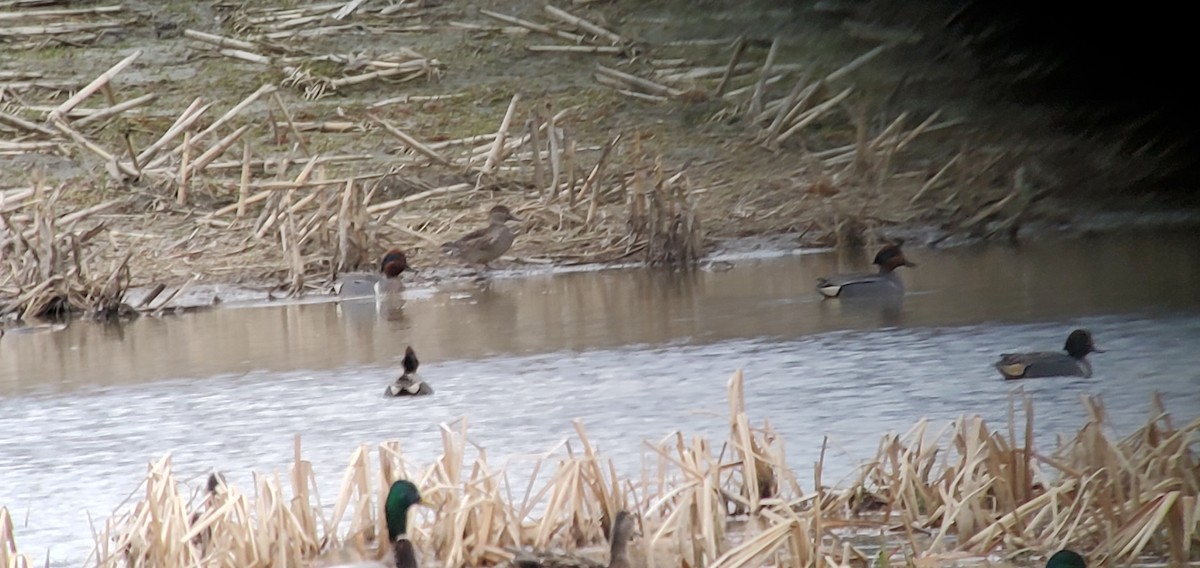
{"x":635,"y":353}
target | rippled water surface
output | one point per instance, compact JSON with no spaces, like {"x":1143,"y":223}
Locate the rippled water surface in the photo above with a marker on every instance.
{"x":636,"y":354}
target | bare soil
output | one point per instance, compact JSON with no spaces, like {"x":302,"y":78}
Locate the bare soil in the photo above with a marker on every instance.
{"x":980,"y":169}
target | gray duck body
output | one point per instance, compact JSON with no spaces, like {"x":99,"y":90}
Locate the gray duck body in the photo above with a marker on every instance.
{"x":1071,"y":362}
{"x":885,"y":283}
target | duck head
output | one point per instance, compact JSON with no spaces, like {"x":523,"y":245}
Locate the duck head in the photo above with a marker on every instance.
{"x":890,"y":258}
{"x":624,"y":527}
{"x":500,"y":214}
{"x":410,"y":361}
{"x":400,"y":498}
{"x":394,"y":262}
{"x":1066,"y":559}
{"x":1079,"y":344}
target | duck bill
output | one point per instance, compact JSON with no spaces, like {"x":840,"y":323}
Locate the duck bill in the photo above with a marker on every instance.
{"x":909,"y":264}
{"x":428,"y":505}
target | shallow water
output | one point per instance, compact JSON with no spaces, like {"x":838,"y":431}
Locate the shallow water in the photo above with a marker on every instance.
{"x":636,"y":354}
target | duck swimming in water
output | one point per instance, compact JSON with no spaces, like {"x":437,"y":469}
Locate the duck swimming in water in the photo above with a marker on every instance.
{"x":884,"y":283}
{"x":386,"y":281}
{"x":1072,"y":363}
{"x":409,"y":384}
{"x":485,"y":244}
{"x":623,"y":530}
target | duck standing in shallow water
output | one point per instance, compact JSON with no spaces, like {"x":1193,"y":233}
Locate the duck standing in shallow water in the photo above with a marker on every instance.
{"x":623,"y":530}
{"x":485,"y":244}
{"x":409,"y":384}
{"x":1066,"y":559}
{"x":884,"y":283}
{"x":386,"y":281}
{"x":1073,"y":363}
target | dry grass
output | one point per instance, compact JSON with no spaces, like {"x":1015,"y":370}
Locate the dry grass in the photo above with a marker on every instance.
{"x":963,"y":490}
{"x":9,"y":557}
{"x":247,"y":173}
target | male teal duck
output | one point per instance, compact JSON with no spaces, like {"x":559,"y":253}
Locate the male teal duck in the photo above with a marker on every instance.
{"x":1037,"y":364}
{"x":485,"y":244}
{"x":401,"y":497}
{"x":884,"y":283}
{"x":1066,"y":559}
{"x":409,"y":384}
{"x":623,"y":529}
{"x":386,"y":281}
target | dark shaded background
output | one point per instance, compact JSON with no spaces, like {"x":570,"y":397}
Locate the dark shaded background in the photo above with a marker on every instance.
{"x":1115,"y":72}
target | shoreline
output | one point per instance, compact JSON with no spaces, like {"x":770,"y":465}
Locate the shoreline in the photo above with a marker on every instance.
{"x":724,"y":255}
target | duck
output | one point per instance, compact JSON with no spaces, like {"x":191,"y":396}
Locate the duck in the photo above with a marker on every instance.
{"x":1037,"y":364}
{"x":402,"y":496}
{"x":409,"y":384}
{"x":1066,"y":559}
{"x":623,"y":529}
{"x":386,"y":281}
{"x":485,"y":244}
{"x":886,"y":282}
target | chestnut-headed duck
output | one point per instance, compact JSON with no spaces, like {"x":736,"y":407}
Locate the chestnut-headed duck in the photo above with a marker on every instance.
{"x":624,"y":528}
{"x":886,"y":282}
{"x":386,"y":281}
{"x":1072,"y":363}
{"x":485,"y":244}
{"x":409,"y":384}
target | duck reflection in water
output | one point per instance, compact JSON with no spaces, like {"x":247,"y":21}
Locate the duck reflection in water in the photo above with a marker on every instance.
{"x":887,"y":311}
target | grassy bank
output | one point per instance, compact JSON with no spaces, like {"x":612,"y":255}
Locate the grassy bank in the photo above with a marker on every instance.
{"x":278,"y":144}
{"x":927,"y":497}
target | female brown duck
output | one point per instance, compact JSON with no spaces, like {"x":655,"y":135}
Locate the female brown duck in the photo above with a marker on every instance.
{"x":485,"y":244}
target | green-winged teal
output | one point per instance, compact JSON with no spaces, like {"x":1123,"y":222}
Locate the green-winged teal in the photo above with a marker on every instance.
{"x":386,"y":281}
{"x":1072,"y":363}
{"x":485,"y":244}
{"x":886,"y":282}
{"x":409,"y":384}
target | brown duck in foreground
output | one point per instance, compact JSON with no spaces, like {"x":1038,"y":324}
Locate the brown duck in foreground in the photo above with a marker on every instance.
{"x":485,"y":244}
{"x":623,"y":530}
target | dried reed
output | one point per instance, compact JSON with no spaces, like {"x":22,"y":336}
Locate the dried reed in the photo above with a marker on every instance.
{"x":1117,"y":499}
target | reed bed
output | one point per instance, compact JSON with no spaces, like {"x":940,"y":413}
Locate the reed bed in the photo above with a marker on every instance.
{"x":926,"y":495}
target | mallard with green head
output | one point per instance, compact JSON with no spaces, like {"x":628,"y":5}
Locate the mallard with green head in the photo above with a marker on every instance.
{"x":623,"y":529}
{"x":1066,"y":559}
{"x":400,"y":498}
